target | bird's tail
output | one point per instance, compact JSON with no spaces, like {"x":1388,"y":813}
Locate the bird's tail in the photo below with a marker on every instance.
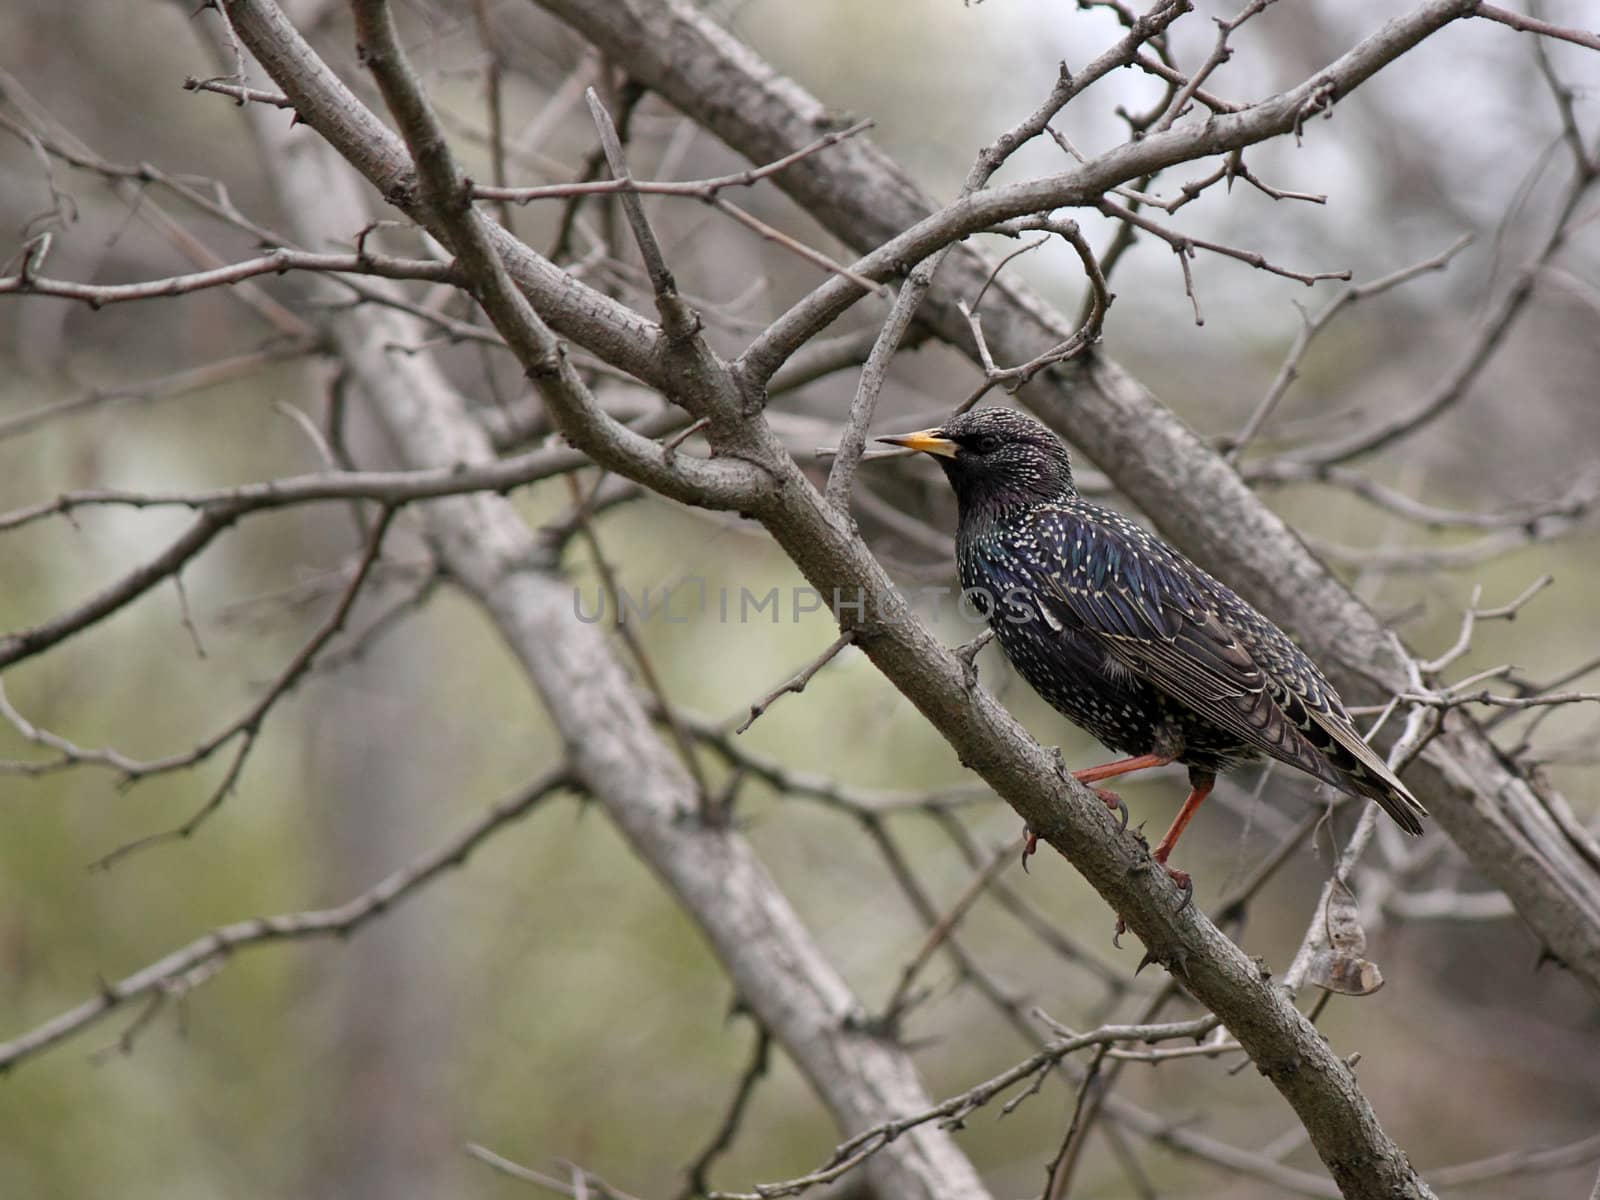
{"x":1362,"y":772}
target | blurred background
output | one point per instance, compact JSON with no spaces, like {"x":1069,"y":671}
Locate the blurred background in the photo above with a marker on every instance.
{"x":547,"y":999}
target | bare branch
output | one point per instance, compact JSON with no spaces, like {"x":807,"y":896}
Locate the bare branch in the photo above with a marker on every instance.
{"x":1472,"y":614}
{"x":14,"y":647}
{"x":176,"y":384}
{"x":990,"y":159}
{"x":655,"y":264}
{"x":1184,"y":246}
{"x":693,"y":189}
{"x":1220,"y":53}
{"x":798,"y":248}
{"x":278,"y":262}
{"x":220,"y":944}
{"x":1311,"y":326}
{"x":493,"y":102}
{"x":1081,"y":339}
{"x":698,"y":1182}
{"x":583,"y":1183}
{"x":852,"y":1152}
{"x":1527,"y":24}
{"x":1520,"y":1162}
{"x":1486,"y":340}
{"x":1526,"y":840}
{"x":391,"y":488}
{"x":797,"y":683}
{"x":810,"y":785}
{"x":247,"y":728}
{"x":853,"y":442}
{"x":630,"y":636}
{"x":1545,"y":518}
{"x":981,"y":881}
{"x":237,"y":92}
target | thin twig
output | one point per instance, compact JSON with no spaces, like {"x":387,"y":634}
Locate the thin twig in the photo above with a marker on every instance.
{"x":855,"y":1150}
{"x":797,"y":247}
{"x":220,"y":944}
{"x":1184,"y":246}
{"x":1527,"y":24}
{"x":694,"y":189}
{"x":248,"y":727}
{"x":583,"y":1185}
{"x":796,"y":683}
{"x":655,"y":263}
{"x":853,"y":442}
{"x":276,"y":262}
{"x":698,"y":1182}
{"x":1313,"y":325}
{"x":981,"y":881}
{"x":492,"y":101}
{"x":631,"y":639}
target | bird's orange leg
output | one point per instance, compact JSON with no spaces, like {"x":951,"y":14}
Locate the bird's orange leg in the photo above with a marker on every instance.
{"x":1123,"y":766}
{"x":1110,"y":770}
{"x":1200,"y":784}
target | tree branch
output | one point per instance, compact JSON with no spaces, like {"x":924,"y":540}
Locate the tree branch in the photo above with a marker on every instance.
{"x":206,"y":953}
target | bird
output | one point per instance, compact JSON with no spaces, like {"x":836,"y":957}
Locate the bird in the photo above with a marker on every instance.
{"x":1130,"y":640}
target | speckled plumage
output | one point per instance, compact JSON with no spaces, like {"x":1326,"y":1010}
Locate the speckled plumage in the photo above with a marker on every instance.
{"x":1129,"y":639}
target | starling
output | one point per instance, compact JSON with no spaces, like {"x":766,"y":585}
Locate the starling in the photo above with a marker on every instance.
{"x":1127,"y":638}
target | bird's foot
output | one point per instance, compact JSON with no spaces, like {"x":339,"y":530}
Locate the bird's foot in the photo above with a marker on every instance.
{"x":1114,"y":802}
{"x":1185,"y":883}
{"x":1183,"y":879}
{"x":968,"y":653}
{"x":1030,"y":843}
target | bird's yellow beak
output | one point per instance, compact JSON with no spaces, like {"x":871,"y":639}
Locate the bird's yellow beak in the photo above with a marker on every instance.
{"x":929,"y":441}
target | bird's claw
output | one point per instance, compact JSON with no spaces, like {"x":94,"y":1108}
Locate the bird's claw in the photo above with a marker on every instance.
{"x":1115,"y":803}
{"x":1183,"y":879}
{"x":1185,"y":884}
{"x":1030,"y":843}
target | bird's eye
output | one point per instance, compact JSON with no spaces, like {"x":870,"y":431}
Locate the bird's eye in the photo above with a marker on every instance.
{"x":988,"y":443}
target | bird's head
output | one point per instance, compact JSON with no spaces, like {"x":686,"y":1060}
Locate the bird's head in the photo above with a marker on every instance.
{"x":996,"y":458}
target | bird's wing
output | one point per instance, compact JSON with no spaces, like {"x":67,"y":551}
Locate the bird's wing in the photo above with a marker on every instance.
{"x":1178,"y":629}
{"x":1330,"y":730}
{"x":1190,"y":655}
